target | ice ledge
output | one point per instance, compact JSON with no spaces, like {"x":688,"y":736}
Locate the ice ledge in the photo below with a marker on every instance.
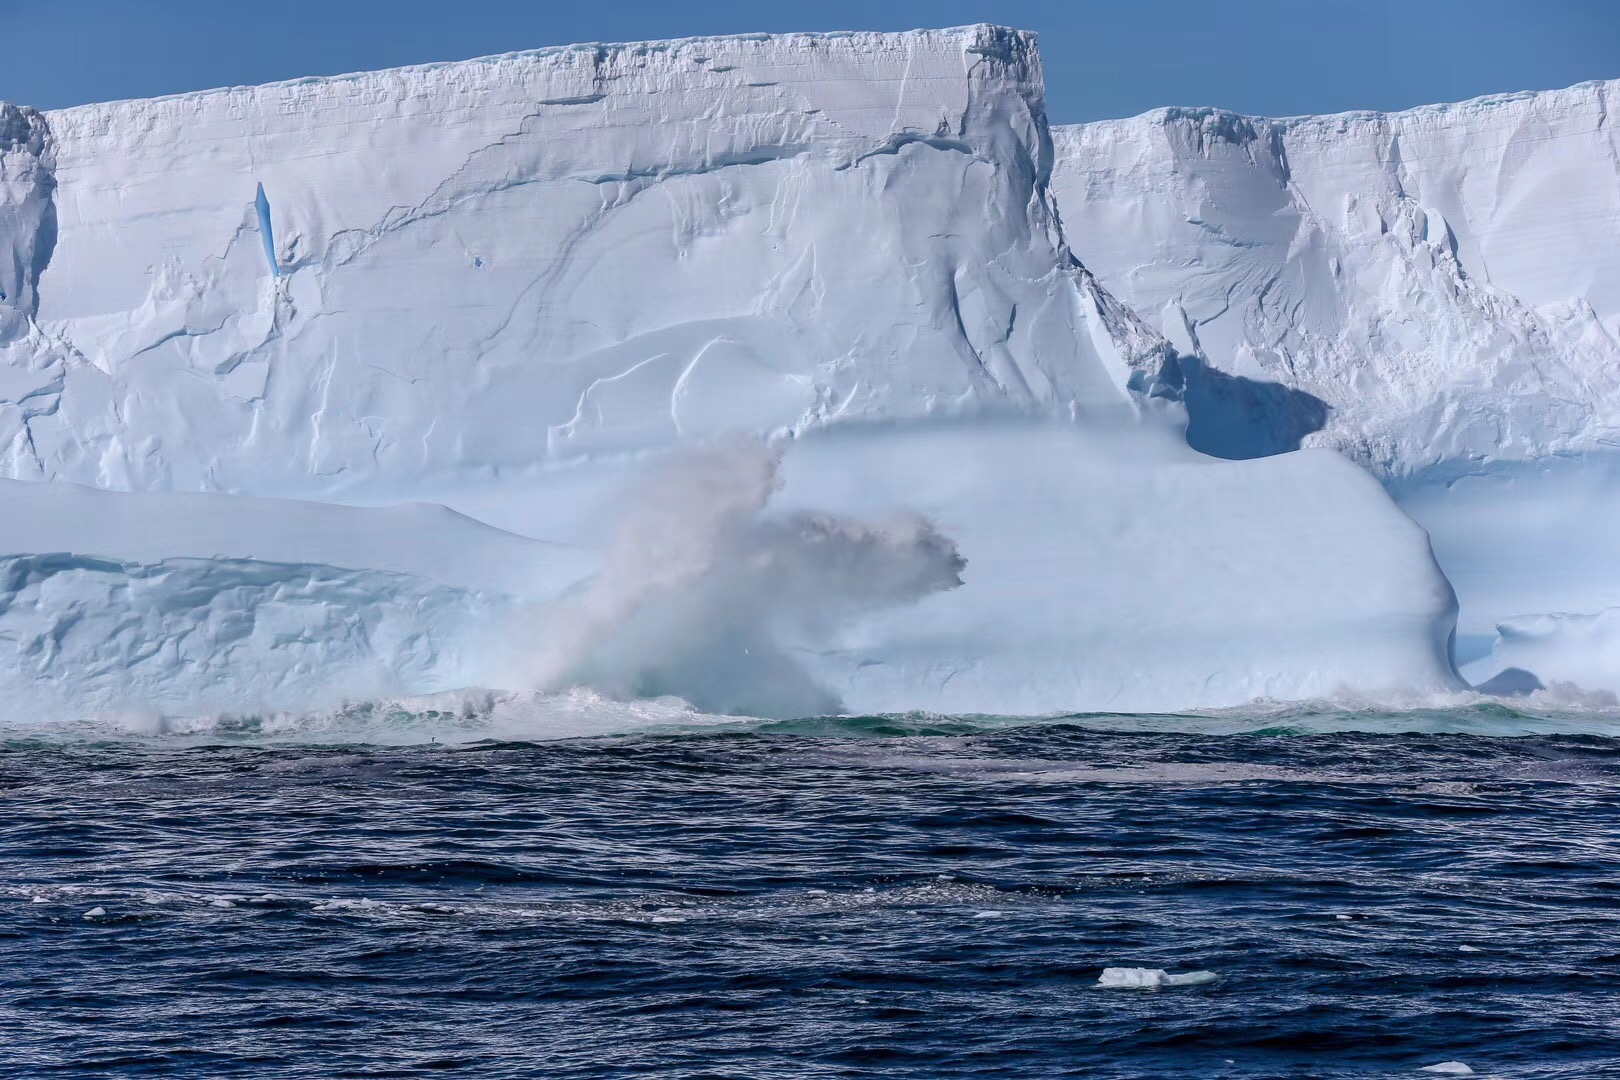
{"x":1561,"y":97}
{"x":1005,"y":44}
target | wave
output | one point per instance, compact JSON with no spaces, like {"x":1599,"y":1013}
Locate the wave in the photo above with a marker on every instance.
{"x":482,"y":716}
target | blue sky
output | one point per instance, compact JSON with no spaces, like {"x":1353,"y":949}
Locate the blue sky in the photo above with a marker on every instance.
{"x":1277,"y":57}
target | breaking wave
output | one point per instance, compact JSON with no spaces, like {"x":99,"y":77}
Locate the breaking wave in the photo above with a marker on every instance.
{"x":533,"y":716}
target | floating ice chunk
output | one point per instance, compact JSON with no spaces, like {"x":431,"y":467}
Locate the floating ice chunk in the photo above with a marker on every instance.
{"x":1448,"y":1068}
{"x":1152,"y":978}
{"x":1342,"y":917}
{"x":40,"y":900}
{"x":989,"y":914}
{"x":223,"y":904}
{"x":95,"y":913}
{"x":1466,"y":948}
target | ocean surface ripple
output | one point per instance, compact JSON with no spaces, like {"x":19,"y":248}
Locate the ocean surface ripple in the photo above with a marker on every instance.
{"x":863,"y":897}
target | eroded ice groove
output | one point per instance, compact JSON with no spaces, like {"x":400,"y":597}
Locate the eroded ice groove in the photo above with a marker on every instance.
{"x":1435,"y":292}
{"x":267,"y":232}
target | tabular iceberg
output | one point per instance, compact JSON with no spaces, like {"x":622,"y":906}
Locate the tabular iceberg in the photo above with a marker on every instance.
{"x":258,"y":319}
{"x":1434,"y":292}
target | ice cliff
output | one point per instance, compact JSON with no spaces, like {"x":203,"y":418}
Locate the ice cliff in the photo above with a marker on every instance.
{"x":242,"y":327}
{"x":1434,"y":292}
{"x":508,"y":262}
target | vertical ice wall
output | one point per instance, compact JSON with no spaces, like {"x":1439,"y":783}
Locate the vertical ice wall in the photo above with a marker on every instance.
{"x":544,"y":256}
{"x":1446,"y":280}
{"x":1436,"y":292}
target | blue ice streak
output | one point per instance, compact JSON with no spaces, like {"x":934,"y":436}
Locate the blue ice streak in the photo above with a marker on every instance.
{"x":266,"y":232}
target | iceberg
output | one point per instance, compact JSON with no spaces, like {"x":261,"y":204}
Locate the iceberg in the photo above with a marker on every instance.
{"x":1435,"y":293}
{"x":1134,"y":978}
{"x":463,"y":433}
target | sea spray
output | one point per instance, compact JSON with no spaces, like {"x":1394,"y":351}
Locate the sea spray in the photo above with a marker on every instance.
{"x":706,"y":596}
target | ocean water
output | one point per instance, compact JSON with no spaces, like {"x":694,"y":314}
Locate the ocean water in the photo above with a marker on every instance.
{"x":1374,"y":893}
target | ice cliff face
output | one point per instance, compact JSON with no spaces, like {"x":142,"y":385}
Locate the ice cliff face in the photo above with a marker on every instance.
{"x":503,"y":284}
{"x":1445,"y":281}
{"x":503,"y":263}
{"x":1435,"y":292}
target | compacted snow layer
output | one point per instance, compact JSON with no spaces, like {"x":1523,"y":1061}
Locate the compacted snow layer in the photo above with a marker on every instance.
{"x":769,"y":353}
{"x":1435,"y":292}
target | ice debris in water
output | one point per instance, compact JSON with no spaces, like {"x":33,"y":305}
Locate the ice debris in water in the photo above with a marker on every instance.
{"x":1152,"y":978}
{"x":223,"y":903}
{"x":1466,"y":948}
{"x":95,"y":913}
{"x":1448,"y":1068}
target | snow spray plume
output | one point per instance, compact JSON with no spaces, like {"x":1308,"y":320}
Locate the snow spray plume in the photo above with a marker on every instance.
{"x":702,"y":595}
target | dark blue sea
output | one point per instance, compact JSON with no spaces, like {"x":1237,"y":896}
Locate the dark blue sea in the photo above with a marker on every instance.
{"x":905,"y":897}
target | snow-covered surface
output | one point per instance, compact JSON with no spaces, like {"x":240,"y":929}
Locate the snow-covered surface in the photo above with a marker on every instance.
{"x":1435,"y":292}
{"x":525,"y":287}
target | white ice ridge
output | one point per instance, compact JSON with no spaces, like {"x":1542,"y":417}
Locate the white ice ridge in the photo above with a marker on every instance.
{"x":1434,"y":292}
{"x":513,"y":286}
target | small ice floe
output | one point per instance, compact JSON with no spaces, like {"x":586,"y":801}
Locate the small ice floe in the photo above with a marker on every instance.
{"x":1448,"y":1068}
{"x":989,"y":914}
{"x":1342,"y":917}
{"x":223,"y":903}
{"x":40,"y":900}
{"x":667,"y":919}
{"x":1466,"y":948}
{"x":1152,"y":978}
{"x":95,"y":913}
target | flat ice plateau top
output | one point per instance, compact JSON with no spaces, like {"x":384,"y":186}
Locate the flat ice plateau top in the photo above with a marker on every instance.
{"x":758,"y":371}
